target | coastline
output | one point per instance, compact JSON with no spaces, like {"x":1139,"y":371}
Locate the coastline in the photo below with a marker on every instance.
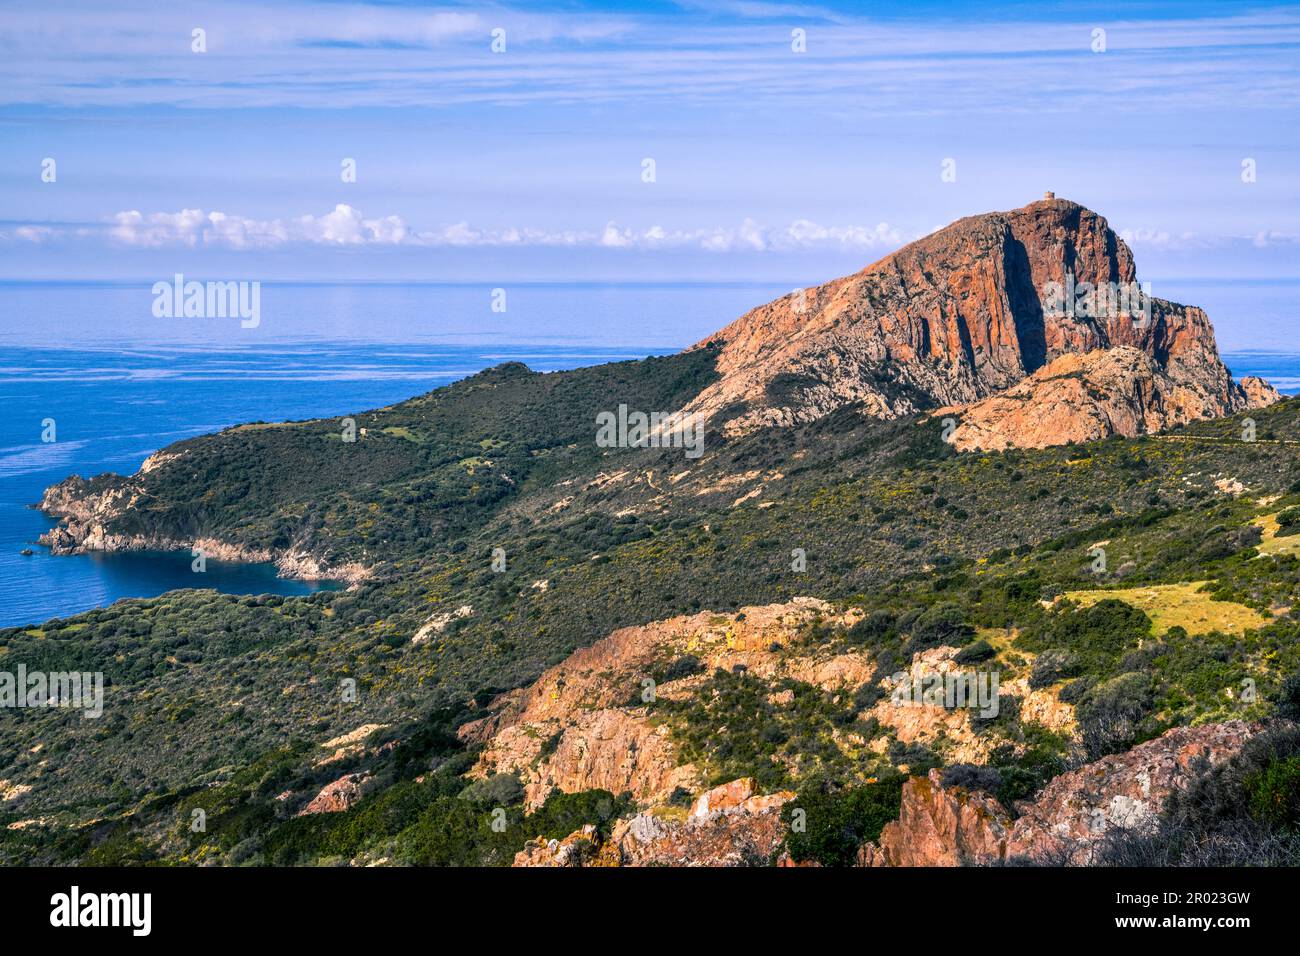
{"x":83,"y":515}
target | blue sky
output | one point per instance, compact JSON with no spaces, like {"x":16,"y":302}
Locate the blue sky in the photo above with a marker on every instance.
{"x":528,"y":164}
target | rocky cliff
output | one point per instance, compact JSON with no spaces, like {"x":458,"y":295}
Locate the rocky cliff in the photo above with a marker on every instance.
{"x":967,"y":313}
{"x":1089,"y":396}
{"x":1066,"y":821}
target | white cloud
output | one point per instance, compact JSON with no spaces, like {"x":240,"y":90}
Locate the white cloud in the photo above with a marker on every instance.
{"x":616,"y":238}
{"x":347,"y":226}
{"x":1162,"y":239}
{"x":1271,"y":237}
{"x":34,"y":233}
{"x":1146,"y":237}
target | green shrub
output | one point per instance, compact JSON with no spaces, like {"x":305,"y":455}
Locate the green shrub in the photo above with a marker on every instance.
{"x":499,"y":790}
{"x":1273,"y":794}
{"x":829,"y":826}
{"x":1053,"y":665}
{"x":1288,"y":702}
{"x":1111,"y":712}
{"x":684,"y":666}
{"x":937,"y":626}
{"x":874,"y":629}
{"x":981,"y":650}
{"x":973,"y":777}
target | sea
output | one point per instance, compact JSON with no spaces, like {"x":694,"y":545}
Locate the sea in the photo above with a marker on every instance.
{"x":88,"y":365}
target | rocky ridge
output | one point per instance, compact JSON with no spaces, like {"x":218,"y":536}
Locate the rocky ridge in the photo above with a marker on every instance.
{"x":967,"y":313}
{"x":574,"y":729}
{"x":729,"y":825}
{"x":938,"y":825}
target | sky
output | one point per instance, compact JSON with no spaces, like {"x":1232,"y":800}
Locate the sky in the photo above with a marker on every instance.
{"x":738,"y":140}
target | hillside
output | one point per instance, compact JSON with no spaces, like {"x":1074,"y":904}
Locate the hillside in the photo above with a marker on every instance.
{"x":224,"y":702}
{"x":483,"y":681}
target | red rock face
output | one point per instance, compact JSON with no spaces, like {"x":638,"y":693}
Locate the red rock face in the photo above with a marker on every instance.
{"x":1081,"y":398}
{"x":337,"y":796}
{"x":1065,"y":823}
{"x":953,"y":318}
{"x":581,"y":725}
{"x":941,"y":827}
{"x":747,"y":831}
{"x":1075,"y":811}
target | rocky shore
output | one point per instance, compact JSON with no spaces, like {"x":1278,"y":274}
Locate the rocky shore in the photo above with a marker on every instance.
{"x":87,"y":509}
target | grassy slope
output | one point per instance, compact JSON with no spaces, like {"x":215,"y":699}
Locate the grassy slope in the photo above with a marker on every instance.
{"x":422,"y":470}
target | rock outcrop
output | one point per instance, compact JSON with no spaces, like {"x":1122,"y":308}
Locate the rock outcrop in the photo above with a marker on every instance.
{"x":964,"y":314}
{"x":1066,"y":822}
{"x":1076,"y":810}
{"x":582,"y":725}
{"x":337,"y":796}
{"x":729,"y":825}
{"x":1259,"y":393}
{"x":941,"y":826}
{"x":1081,"y":398}
{"x":743,"y":836}
{"x":572,"y":851}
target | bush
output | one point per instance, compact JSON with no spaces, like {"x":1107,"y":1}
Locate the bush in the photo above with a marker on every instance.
{"x":981,"y":650}
{"x":499,"y":790}
{"x":867,"y":696}
{"x":837,"y":823}
{"x":872,"y":629}
{"x":938,"y":626}
{"x":1075,"y":690}
{"x":1288,"y":703}
{"x":684,"y":666}
{"x":1111,"y":712}
{"x":916,"y":757}
{"x":973,"y":777}
{"x":1288,"y":521}
{"x":1098,"y":636}
{"x":1249,"y":536}
{"x":1273,"y":794}
{"x":565,"y":813}
{"x":1018,"y":783}
{"x":733,"y":728}
{"x":1051,"y":666}
{"x":1007,"y":716}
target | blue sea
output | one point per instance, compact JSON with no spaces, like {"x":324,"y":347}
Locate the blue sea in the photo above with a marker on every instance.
{"x":120,"y":384}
